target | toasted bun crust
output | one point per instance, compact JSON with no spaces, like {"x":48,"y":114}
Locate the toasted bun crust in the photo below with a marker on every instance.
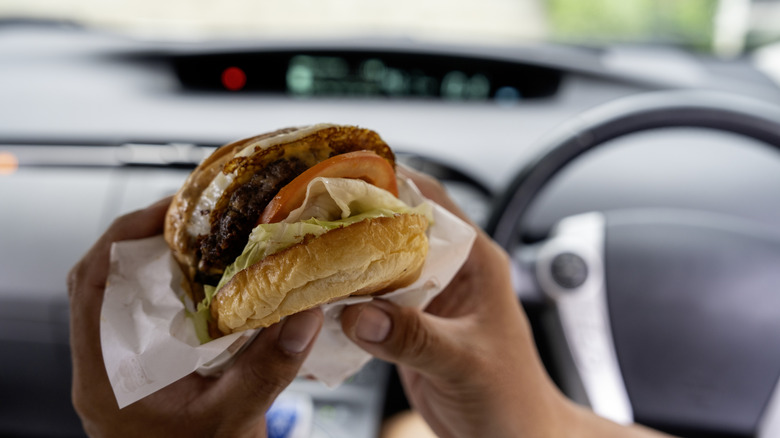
{"x":369,"y":257}
{"x":186,"y":199}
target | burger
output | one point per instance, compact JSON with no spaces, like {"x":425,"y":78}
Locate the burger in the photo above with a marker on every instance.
{"x":285,"y":221}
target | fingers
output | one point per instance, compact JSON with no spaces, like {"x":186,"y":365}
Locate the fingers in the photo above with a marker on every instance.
{"x":480,"y":300}
{"x":86,"y":285}
{"x":136,"y":225}
{"x":86,"y":281}
{"x":266,"y":367}
{"x":404,"y":336}
{"x":432,"y":189}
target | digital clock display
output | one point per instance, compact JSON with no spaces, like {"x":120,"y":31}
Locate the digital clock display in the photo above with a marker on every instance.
{"x":357,"y":74}
{"x":334,"y":76}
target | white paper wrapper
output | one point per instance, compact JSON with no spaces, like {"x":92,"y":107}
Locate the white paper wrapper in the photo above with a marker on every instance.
{"x":149,"y":342}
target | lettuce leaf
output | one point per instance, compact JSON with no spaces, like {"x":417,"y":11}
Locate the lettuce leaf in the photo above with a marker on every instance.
{"x":330,"y":203}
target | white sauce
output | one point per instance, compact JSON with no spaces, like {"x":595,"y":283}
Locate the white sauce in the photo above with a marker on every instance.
{"x":200,"y":222}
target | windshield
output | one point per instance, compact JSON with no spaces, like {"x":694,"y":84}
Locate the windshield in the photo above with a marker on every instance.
{"x":722,"y":27}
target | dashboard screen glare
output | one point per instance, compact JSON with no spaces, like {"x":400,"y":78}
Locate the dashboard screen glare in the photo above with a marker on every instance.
{"x":359,"y":74}
{"x":328,"y":76}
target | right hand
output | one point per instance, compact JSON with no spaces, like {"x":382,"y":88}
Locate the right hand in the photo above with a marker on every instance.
{"x":468,"y":363}
{"x":468,"y":359}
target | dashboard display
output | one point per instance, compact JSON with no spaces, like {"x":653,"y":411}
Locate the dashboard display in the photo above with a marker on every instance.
{"x":357,"y":74}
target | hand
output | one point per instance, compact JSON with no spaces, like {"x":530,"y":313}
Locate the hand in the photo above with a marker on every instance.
{"x":231,"y":405}
{"x":468,"y":363}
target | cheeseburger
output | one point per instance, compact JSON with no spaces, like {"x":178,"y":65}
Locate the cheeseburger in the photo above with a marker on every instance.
{"x":278,"y":223}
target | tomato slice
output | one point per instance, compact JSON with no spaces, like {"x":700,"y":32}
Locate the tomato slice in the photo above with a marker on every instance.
{"x":365,"y":165}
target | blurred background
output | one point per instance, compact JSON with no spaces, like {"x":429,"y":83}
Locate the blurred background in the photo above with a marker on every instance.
{"x":723,"y":27}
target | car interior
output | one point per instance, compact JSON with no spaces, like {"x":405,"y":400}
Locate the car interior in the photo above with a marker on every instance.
{"x":633,"y":179}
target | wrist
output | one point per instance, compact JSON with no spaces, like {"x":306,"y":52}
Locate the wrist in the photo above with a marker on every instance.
{"x":584,"y":423}
{"x":549,"y":415}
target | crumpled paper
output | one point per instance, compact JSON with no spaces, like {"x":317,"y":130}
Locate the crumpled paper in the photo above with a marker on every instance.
{"x":149,"y":342}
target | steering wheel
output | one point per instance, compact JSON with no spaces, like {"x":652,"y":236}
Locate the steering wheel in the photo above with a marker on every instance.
{"x":669,"y":318}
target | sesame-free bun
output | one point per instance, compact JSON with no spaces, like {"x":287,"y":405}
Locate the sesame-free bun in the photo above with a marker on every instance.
{"x":372,"y":256}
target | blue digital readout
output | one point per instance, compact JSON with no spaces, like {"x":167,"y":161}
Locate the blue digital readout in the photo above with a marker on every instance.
{"x":334,"y":76}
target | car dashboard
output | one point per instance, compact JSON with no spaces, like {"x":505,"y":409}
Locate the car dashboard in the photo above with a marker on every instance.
{"x":94,"y":125}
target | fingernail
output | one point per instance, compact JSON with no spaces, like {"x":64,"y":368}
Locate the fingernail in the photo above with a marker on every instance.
{"x":373,"y":324}
{"x":299,"y":331}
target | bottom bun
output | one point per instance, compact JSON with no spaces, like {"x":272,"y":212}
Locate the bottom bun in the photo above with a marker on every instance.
{"x":372,"y":256}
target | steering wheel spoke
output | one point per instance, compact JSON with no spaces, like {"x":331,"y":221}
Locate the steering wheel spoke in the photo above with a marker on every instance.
{"x":570,"y":270}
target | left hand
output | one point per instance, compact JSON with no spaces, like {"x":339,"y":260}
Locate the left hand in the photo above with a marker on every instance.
{"x":231,"y":405}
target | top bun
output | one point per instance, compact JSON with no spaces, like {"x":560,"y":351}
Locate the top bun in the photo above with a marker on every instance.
{"x":372,"y":256}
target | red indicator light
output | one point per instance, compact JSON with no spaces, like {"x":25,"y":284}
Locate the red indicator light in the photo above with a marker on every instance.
{"x":233,"y":78}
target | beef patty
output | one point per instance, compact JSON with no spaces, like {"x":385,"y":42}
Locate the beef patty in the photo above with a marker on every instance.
{"x":230,"y":230}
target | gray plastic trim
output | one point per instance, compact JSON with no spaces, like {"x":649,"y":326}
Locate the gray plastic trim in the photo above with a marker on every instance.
{"x":769,"y":426}
{"x":584,"y":315}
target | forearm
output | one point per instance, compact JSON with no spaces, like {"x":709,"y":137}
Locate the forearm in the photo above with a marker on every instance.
{"x":587,"y":424}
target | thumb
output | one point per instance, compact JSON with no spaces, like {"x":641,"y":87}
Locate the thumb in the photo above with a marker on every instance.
{"x":268,"y":366}
{"x":403,"y":335}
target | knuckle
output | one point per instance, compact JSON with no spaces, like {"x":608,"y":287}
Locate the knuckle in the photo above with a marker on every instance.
{"x":74,"y":276}
{"x":72,"y":280}
{"x":265,"y":383}
{"x":81,"y":403}
{"x":435,"y":187}
{"x":117,"y":228}
{"x":76,"y":401}
{"x":414,"y":340}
